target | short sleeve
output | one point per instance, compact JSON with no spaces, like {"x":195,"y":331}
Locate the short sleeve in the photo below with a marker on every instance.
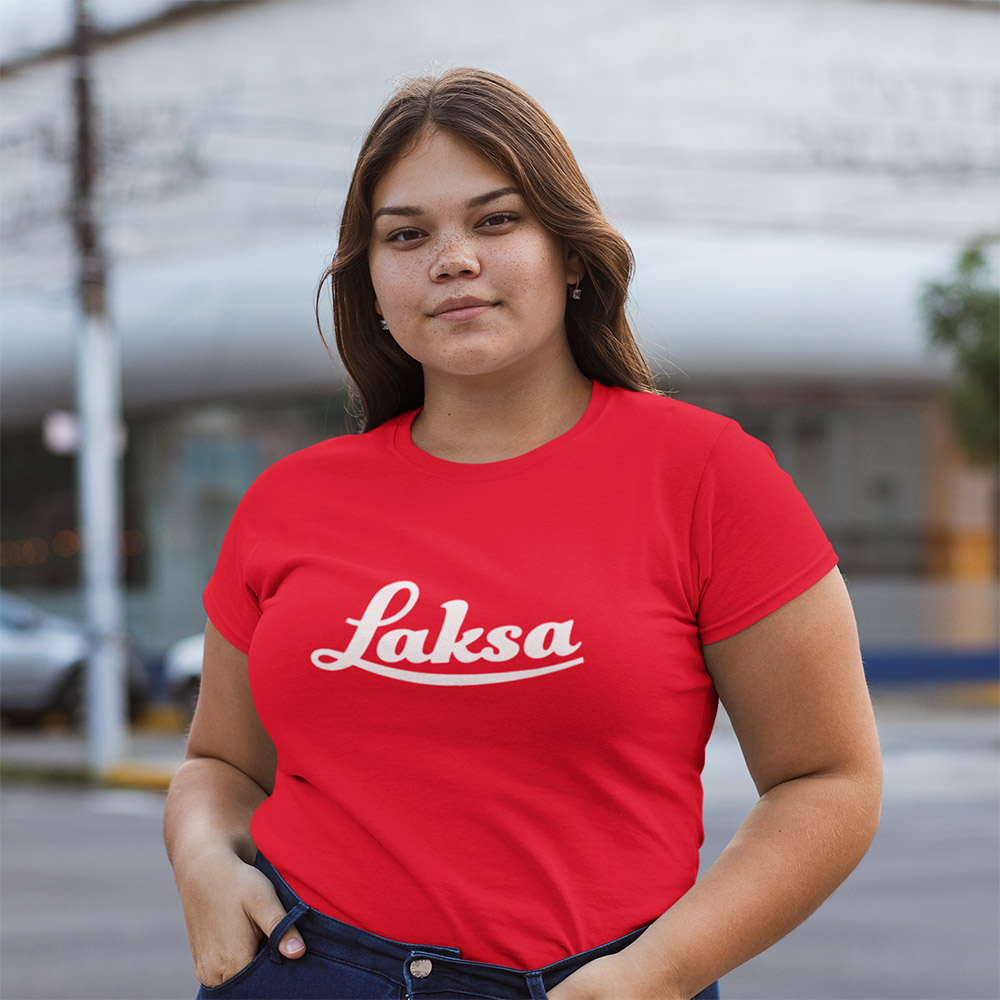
{"x":755,"y":543}
{"x":230,"y":600}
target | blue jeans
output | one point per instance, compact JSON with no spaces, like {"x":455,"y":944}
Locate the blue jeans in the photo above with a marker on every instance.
{"x":344,"y":963}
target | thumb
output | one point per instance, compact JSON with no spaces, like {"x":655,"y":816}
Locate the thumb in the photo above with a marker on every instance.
{"x":292,"y":945}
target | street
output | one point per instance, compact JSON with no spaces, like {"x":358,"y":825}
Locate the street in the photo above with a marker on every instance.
{"x":89,"y":908}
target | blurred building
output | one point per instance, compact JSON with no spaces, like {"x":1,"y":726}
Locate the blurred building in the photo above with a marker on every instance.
{"x":789,"y":175}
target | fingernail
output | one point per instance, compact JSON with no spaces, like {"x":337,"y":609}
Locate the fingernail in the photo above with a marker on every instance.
{"x":293,"y":946}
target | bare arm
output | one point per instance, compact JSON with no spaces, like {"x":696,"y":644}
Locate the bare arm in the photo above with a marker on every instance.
{"x":227,"y":772}
{"x":794,"y":688}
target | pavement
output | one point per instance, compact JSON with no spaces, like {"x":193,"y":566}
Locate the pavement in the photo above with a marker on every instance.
{"x":918,"y":920}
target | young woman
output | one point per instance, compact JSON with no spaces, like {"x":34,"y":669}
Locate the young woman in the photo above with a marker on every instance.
{"x":461,"y":668}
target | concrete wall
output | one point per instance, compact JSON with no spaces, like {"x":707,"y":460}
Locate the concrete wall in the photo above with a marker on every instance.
{"x":783,"y":167}
{"x":789,"y":174}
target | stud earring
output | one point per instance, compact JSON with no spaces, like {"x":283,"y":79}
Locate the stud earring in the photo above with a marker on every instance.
{"x":385,"y":326}
{"x":575,"y":291}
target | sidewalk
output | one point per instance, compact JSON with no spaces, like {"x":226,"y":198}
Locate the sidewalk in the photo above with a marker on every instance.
{"x":55,"y":753}
{"x":938,"y":717}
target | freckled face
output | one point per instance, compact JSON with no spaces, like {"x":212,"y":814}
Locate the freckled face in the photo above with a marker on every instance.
{"x":468,"y":280}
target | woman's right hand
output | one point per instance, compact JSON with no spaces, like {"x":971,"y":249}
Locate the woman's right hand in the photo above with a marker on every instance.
{"x":227,"y":773}
{"x":229,"y":907}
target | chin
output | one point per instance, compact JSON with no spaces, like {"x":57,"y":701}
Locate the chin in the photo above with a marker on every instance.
{"x":471,"y":363}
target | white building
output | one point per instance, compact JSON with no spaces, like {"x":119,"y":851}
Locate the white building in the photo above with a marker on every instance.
{"x":789,"y":175}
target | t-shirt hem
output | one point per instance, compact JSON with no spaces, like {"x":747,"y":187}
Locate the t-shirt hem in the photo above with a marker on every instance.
{"x":798,"y":585}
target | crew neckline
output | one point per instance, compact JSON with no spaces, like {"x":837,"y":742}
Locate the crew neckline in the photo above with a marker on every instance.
{"x":402,"y":440}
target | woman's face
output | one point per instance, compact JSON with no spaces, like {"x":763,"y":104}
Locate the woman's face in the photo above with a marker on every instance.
{"x":468,"y":280}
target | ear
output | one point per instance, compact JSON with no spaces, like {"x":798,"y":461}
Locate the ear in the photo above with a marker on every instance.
{"x":574,"y":267}
{"x":378,"y":308}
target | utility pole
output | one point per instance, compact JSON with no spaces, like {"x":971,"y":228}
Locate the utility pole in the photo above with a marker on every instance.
{"x":98,"y":390}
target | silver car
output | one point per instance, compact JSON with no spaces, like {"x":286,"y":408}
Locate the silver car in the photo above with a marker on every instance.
{"x":42,"y":663}
{"x":182,"y":671}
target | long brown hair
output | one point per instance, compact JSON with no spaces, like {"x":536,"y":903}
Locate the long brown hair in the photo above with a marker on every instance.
{"x":507,"y":127}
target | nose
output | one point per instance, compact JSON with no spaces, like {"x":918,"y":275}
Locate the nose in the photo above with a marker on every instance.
{"x":455,"y":259}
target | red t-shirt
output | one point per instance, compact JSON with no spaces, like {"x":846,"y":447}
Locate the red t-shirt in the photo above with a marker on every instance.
{"x":485,"y":682}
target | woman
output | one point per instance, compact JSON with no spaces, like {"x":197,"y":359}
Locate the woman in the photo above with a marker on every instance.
{"x":487,"y":636}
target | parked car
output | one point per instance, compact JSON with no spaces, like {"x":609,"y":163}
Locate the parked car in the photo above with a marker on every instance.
{"x":182,"y":671}
{"x":43,"y":662}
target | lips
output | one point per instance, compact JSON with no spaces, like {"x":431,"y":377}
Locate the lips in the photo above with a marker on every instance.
{"x":466,"y":307}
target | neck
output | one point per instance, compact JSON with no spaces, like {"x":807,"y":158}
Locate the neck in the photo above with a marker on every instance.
{"x":474,"y":421}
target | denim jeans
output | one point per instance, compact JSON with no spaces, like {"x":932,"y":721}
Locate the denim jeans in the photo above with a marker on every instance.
{"x":345,"y":963}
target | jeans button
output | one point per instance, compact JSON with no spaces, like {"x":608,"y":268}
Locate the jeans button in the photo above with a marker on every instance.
{"x":420,"y":968}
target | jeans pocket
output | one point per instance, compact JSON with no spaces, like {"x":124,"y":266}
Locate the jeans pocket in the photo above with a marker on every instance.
{"x":243,"y":981}
{"x":240,"y":979}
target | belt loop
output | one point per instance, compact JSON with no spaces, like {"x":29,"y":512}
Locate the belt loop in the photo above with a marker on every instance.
{"x":536,"y":988}
{"x":274,"y":939}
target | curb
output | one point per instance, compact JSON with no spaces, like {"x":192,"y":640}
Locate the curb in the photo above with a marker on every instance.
{"x":962,"y":694}
{"x":162,"y":725}
{"x":984,"y":695}
{"x":162,"y":720}
{"x":133,"y":775}
{"x":140,"y":775}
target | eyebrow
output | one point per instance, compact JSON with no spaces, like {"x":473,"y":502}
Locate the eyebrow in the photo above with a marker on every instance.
{"x":480,"y":199}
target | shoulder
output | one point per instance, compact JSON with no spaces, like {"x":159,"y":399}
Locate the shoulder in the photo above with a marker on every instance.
{"x":686,"y":445}
{"x":665,"y":418}
{"x":666,"y":411}
{"x":315,"y":467}
{"x":345,"y":447}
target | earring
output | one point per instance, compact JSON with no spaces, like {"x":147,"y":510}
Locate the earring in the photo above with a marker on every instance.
{"x":385,"y":326}
{"x":575,"y":291}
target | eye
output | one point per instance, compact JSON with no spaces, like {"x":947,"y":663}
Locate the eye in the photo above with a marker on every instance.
{"x":498,"y":220}
{"x":405,"y":236}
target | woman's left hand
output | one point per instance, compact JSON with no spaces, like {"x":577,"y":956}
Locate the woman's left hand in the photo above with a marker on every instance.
{"x":611,"y":978}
